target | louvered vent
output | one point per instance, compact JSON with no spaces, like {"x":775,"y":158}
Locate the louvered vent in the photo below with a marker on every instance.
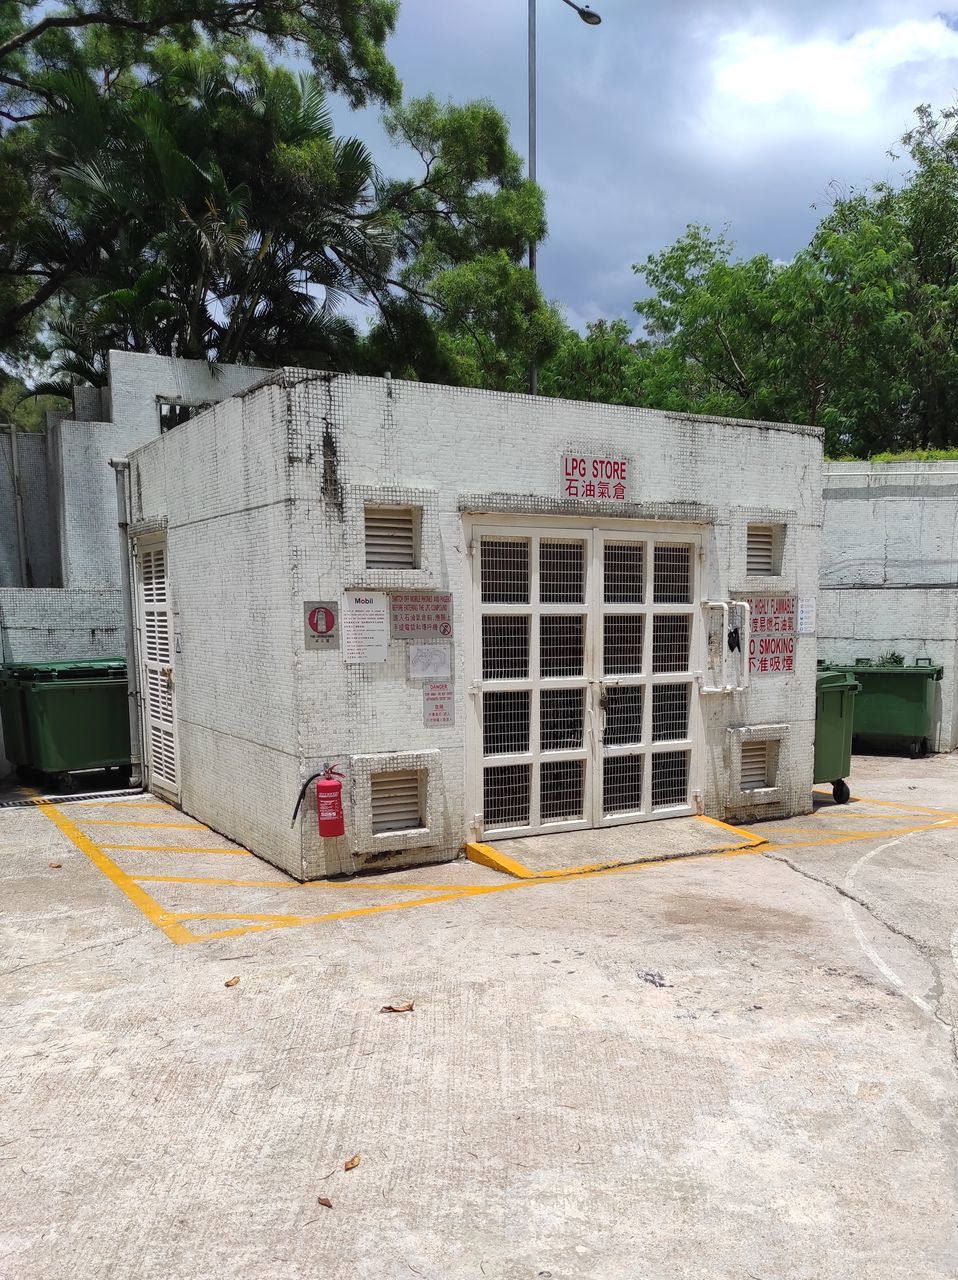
{"x":755,"y":766}
{"x":396,"y":801}
{"x":760,"y":550}
{"x":391,"y":538}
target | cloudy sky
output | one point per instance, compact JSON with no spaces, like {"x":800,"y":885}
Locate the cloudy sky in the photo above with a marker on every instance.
{"x":674,"y":111}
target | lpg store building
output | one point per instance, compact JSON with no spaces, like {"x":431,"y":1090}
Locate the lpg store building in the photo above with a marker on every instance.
{"x":495,"y":615}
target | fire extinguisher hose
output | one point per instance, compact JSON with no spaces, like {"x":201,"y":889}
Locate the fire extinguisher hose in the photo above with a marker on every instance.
{"x":302,"y":793}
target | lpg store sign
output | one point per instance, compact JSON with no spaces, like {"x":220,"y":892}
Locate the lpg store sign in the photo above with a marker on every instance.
{"x":771,"y":650}
{"x":590,"y":476}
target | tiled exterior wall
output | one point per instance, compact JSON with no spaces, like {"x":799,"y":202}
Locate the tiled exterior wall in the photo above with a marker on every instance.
{"x":38,"y":518}
{"x":890,"y":570}
{"x":279,"y":478}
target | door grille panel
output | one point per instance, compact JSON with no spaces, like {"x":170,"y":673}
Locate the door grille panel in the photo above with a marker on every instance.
{"x":505,"y":570}
{"x":622,"y":638}
{"x":562,"y":645}
{"x":505,"y":801}
{"x":624,"y":572}
{"x":622,"y":784}
{"x":670,"y":779}
{"x":623,"y":716}
{"x":670,"y":712}
{"x":561,"y":719}
{"x":561,"y":572}
{"x":672,"y":575}
{"x":505,"y":723}
{"x":671,"y":635}
{"x":505,"y":648}
{"x":562,"y":790}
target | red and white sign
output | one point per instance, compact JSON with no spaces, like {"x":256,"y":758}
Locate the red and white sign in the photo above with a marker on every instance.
{"x":438,"y":707}
{"x":590,"y":476}
{"x":414,"y":615}
{"x":321,"y":624}
{"x":771,"y":650}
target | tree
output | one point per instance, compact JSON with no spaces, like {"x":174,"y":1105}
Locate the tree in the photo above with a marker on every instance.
{"x":606,"y":366}
{"x":856,"y":334}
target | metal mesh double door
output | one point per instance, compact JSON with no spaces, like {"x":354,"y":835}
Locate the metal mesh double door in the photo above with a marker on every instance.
{"x":584,"y":643}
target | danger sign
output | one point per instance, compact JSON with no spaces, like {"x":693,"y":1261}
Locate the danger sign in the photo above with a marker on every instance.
{"x":321,"y":624}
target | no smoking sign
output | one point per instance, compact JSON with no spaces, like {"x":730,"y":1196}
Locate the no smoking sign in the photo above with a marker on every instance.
{"x":321,"y":624}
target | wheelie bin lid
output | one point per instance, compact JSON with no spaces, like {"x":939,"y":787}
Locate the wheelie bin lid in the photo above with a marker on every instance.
{"x":923,"y":667}
{"x":837,"y":678}
{"x":75,"y":669}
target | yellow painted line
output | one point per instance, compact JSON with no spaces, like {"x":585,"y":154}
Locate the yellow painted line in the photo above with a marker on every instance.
{"x":129,"y":804}
{"x":488,"y":856}
{"x":750,"y":837}
{"x":296,"y":885}
{"x":280,"y":920}
{"x":862,"y":835}
{"x":125,"y":822}
{"x":175,"y":848}
{"x":163,"y":919}
{"x":909,"y":808}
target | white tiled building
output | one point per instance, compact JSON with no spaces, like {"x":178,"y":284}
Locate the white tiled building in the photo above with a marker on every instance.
{"x":496,"y":615}
{"x":889,"y":578}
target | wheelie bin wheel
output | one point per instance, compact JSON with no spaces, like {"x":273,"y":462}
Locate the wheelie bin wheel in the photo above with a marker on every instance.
{"x":840,"y":791}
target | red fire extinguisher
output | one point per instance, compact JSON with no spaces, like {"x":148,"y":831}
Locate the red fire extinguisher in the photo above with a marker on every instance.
{"x":329,"y":801}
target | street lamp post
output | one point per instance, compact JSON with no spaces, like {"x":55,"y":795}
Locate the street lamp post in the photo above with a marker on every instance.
{"x":591,"y":19}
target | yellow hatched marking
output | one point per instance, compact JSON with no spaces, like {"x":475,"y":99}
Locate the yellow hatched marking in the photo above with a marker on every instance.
{"x":894,"y":804}
{"x":129,"y":804}
{"x":125,"y":822}
{"x":156,"y":914}
{"x":861,"y":835}
{"x":296,"y":885}
{"x":175,"y":848}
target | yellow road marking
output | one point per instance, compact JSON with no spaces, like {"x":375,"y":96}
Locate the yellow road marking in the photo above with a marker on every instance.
{"x":125,"y":822}
{"x":156,"y":914}
{"x":862,"y":835}
{"x":130,"y":804}
{"x":175,"y":848}
{"x":296,"y":885}
{"x":750,"y":837}
{"x":487,"y":856}
{"x":279,"y":920}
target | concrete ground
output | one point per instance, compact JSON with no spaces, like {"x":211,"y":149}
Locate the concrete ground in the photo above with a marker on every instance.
{"x":736,"y":1065}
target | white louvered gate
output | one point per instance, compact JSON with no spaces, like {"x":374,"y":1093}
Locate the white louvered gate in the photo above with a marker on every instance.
{"x":584,"y":652}
{"x":156,"y":659}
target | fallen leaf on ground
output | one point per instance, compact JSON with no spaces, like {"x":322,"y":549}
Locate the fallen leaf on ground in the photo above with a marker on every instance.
{"x":231,"y":982}
{"x":324,"y":1201}
{"x":56,"y":865}
{"x":398,"y":1008}
{"x":351,"y":1163}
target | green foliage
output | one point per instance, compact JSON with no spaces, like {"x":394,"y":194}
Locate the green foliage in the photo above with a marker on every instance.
{"x":604,"y":366}
{"x":856,"y":334}
{"x":23,"y":410}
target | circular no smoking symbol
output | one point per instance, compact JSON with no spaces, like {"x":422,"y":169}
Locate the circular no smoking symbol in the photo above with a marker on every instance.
{"x":321,"y":621}
{"x":445,"y":629}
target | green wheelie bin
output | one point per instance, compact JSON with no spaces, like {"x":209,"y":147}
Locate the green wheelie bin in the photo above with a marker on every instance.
{"x":16,"y":744}
{"x":76,"y":715}
{"x":896,"y":706}
{"x":835,"y":693}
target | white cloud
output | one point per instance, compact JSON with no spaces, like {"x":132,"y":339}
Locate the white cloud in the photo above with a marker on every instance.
{"x":766,"y":86}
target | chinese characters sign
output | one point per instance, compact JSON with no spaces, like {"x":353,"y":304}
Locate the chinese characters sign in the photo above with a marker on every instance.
{"x":438,"y":708}
{"x":772,"y":647}
{"x":592,"y":477}
{"x":419,"y":614}
{"x":321,"y":624}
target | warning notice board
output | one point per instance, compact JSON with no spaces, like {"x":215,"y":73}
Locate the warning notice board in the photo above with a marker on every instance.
{"x":772,"y":647}
{"x":416,"y":615}
{"x":438,"y":707}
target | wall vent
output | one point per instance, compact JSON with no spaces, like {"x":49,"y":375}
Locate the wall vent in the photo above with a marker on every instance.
{"x":391,"y":537}
{"x":760,"y":550}
{"x":756,"y":766}
{"x":396,"y":800}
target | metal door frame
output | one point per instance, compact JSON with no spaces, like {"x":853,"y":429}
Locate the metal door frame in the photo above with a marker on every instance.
{"x":156,"y":781}
{"x":594,"y":533}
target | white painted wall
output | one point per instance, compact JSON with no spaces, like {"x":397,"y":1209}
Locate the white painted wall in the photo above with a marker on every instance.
{"x":263,"y":499}
{"x":70,"y":506}
{"x":890,"y":570}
